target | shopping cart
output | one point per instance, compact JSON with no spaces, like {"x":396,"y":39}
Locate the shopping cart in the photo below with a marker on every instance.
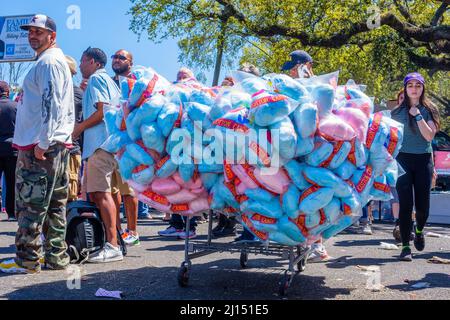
{"x":296,"y":255}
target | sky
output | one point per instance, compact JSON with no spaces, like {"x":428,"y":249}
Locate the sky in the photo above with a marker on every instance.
{"x":104,"y":24}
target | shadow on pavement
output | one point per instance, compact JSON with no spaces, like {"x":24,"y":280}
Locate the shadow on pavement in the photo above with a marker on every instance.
{"x":435,"y":280}
{"x":347,"y":261}
{"x":362,"y":242}
{"x":218,"y":280}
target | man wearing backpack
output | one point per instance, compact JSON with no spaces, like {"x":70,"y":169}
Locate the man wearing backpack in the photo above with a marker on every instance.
{"x":44,"y":125}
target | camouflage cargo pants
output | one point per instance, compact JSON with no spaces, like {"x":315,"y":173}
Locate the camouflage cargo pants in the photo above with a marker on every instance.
{"x":41,"y":197}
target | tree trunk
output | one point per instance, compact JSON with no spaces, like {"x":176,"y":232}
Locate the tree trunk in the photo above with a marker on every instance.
{"x":219,"y":56}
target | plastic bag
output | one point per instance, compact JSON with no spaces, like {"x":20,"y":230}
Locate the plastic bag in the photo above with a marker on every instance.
{"x":293,"y":228}
{"x":182,"y":196}
{"x":322,"y":151}
{"x":306,"y":120}
{"x":165,"y":186}
{"x":315,"y":198}
{"x":143,"y":174}
{"x":154,"y":200}
{"x":290,"y":202}
{"x":277,"y":183}
{"x":287,"y":86}
{"x":168,"y":117}
{"x":153,"y":137}
{"x":288,"y":138}
{"x":268,"y":109}
{"x":381,"y":190}
{"x":356,"y":119}
{"x":333,"y":128}
{"x":165,"y":167}
{"x":345,"y":170}
{"x":323,"y":95}
{"x":295,"y":172}
{"x":304,"y":146}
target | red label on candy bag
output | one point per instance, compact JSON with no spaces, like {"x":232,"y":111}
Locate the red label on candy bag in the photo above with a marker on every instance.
{"x":347,"y":210}
{"x":140,"y":168}
{"x":261,"y":153}
{"x":265,"y":100}
{"x":394,"y":141}
{"x":131,"y":83}
{"x":300,"y":222}
{"x":372,"y":132}
{"x":382,"y":187}
{"x":351,"y":155}
{"x":336,"y":148}
{"x":161,"y":162}
{"x":263,"y":219}
{"x":180,"y":207}
{"x":362,"y":184}
{"x":228,"y":171}
{"x":156,"y":197}
{"x":262,"y":235}
{"x":148,"y":91}
{"x":308,"y":192}
{"x":230,"y":124}
{"x":323,"y":217}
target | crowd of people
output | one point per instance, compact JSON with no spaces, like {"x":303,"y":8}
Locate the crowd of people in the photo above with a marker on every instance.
{"x":51,"y":154}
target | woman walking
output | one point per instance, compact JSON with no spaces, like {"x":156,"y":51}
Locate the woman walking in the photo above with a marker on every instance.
{"x":421,"y":121}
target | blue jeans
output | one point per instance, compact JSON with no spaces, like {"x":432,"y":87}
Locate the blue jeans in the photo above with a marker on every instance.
{"x":3,"y":191}
{"x":142,"y":210}
{"x":179,"y":222}
{"x":365,"y":215}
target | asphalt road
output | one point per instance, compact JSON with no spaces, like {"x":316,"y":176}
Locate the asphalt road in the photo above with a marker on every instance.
{"x":150,"y":272}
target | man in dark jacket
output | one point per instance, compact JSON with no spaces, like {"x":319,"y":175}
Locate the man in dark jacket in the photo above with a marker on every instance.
{"x":8,"y":155}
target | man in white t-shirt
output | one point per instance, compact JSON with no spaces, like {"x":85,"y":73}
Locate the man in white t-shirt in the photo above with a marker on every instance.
{"x":43,"y":136}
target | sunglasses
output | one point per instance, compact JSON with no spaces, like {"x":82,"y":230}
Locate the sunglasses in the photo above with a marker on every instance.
{"x":119,"y":56}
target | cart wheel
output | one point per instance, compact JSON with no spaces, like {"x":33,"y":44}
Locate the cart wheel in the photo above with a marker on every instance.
{"x":284,"y":284}
{"x":244,"y":260}
{"x":301,"y":265}
{"x":183,"y":276}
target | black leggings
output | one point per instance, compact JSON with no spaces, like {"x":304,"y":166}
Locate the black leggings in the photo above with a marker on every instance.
{"x":419,"y":170}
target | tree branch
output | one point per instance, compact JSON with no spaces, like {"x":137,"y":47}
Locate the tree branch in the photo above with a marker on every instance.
{"x":404,"y":12}
{"x":442,"y":64}
{"x":439,"y":13}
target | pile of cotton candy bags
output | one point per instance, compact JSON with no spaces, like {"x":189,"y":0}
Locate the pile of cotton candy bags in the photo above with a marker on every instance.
{"x":294,"y":160}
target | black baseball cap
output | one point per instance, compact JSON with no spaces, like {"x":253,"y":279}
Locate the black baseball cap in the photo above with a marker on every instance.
{"x":297,"y":57}
{"x":41,"y":21}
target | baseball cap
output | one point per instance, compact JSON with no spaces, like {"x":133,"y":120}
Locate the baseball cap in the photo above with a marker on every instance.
{"x":41,"y":21}
{"x":297,"y":57}
{"x":413,"y":76}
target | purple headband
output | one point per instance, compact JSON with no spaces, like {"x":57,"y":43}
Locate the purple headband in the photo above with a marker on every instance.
{"x":414,"y":76}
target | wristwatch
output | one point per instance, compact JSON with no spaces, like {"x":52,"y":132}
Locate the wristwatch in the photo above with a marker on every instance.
{"x":418,"y":118}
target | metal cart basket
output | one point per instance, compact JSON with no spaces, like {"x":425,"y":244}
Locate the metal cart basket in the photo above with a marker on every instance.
{"x":296,"y":255}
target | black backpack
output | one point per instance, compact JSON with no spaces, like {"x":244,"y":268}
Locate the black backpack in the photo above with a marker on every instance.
{"x":85,"y":231}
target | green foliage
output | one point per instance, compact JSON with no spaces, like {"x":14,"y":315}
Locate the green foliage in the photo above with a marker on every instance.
{"x":378,"y":58}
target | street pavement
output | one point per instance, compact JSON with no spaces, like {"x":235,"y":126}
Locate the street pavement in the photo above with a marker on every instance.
{"x":361,"y":270}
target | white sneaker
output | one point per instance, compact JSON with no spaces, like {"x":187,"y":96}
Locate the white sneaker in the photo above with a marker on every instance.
{"x":132,"y":240}
{"x":367,"y":229}
{"x":318,"y":253}
{"x":170,"y":232}
{"x":156,"y":214}
{"x":108,"y":254}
